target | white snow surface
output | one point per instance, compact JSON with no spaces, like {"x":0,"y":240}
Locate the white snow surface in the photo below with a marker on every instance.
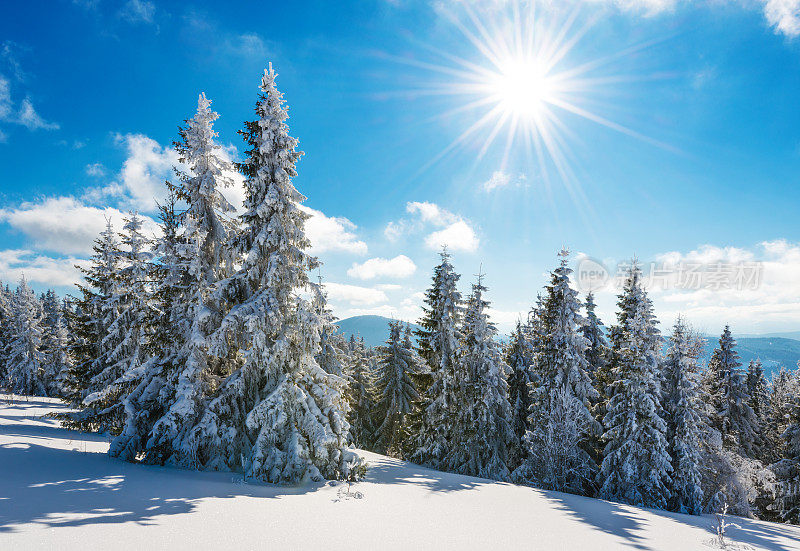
{"x":59,"y":490}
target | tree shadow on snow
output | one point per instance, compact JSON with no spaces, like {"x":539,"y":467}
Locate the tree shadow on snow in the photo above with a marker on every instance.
{"x":626,"y":523}
{"x":57,"y":487}
{"x":387,"y":470}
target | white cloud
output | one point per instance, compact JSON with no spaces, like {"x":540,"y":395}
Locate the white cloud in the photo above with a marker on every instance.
{"x":29,"y":118}
{"x":389,"y":287}
{"x":64,"y":225}
{"x":458,"y":236}
{"x":500,"y":179}
{"x":771,"y":305}
{"x":354,"y":294}
{"x":23,"y":114}
{"x":140,"y":183}
{"x":332,"y":234}
{"x":60,"y":272}
{"x":95,"y":169}
{"x":783,"y":15}
{"x":398,"y":267}
{"x":138,"y":11}
{"x":456,"y":232}
{"x":431,"y":213}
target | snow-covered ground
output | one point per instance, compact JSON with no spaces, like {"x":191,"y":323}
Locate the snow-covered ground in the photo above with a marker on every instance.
{"x":58,"y":490}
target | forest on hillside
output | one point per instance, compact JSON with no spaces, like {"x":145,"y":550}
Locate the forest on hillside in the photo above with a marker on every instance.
{"x":210,"y":347}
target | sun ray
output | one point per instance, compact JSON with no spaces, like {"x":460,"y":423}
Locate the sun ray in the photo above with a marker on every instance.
{"x":524,"y":85}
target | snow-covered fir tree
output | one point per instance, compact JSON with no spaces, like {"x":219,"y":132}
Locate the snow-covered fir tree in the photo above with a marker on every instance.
{"x":361,"y":393}
{"x":331,"y":357}
{"x":25,"y":363}
{"x":127,"y":326}
{"x":481,"y":429}
{"x":55,"y":343}
{"x":396,"y":392}
{"x":592,"y":330}
{"x":758,"y":392}
{"x":519,"y":357}
{"x":726,"y":387}
{"x":193,"y":257}
{"x":561,"y":420}
{"x":636,"y":462}
{"x":683,"y":414}
{"x":789,"y":467}
{"x":433,"y":433}
{"x":280,"y":417}
{"x":89,"y":322}
{"x":6,"y":325}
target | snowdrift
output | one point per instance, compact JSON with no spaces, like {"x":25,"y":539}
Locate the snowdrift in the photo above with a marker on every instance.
{"x":58,"y":490}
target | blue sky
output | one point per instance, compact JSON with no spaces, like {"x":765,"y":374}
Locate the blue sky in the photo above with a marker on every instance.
{"x":690,"y":152}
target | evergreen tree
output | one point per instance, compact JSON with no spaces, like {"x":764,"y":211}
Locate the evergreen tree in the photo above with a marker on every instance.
{"x":636,"y":461}
{"x":55,"y":342}
{"x":88,"y":321}
{"x":361,"y":394}
{"x":561,"y":420}
{"x":519,"y":359}
{"x":150,"y":400}
{"x":726,"y":388}
{"x":6,"y":324}
{"x":280,"y":417}
{"x":758,"y":392}
{"x":683,"y":414}
{"x":331,"y":356}
{"x":194,"y":257}
{"x":430,"y":444}
{"x":481,"y":429}
{"x":789,"y":467}
{"x":395,"y":388}
{"x":127,"y":323}
{"x":592,"y":330}
{"x":25,"y":367}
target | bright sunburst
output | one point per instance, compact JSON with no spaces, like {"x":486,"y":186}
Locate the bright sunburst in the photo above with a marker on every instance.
{"x":520,"y":84}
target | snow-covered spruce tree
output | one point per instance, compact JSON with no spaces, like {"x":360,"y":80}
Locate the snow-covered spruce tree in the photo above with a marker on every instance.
{"x":519,"y":357}
{"x":280,"y":417}
{"x":395,"y":389}
{"x":636,"y":461}
{"x":193,"y":256}
{"x":360,"y":394}
{"x":154,"y":392}
{"x":55,"y":342}
{"x":431,"y":436}
{"x":726,"y":389}
{"x":88,"y":321}
{"x":758,"y":391}
{"x":127,"y":324}
{"x":788,"y":469}
{"x":25,"y":367}
{"x":597,"y":366}
{"x":592,"y":330}
{"x":561,"y":420}
{"x":331,"y":356}
{"x":785,"y":386}
{"x":482,"y":431}
{"x":6,"y":325}
{"x":683,"y":414}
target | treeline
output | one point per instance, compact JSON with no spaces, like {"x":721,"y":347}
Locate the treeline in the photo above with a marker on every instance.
{"x":208,"y":347}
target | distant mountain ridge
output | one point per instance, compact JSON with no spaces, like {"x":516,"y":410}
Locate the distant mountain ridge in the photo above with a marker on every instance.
{"x":774,"y":351}
{"x":374,"y":329}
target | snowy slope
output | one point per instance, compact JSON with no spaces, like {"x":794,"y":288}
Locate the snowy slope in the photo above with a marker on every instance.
{"x":59,"y":491}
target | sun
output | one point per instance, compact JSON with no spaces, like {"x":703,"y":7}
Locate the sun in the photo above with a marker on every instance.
{"x":522,"y":88}
{"x":524,"y":85}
